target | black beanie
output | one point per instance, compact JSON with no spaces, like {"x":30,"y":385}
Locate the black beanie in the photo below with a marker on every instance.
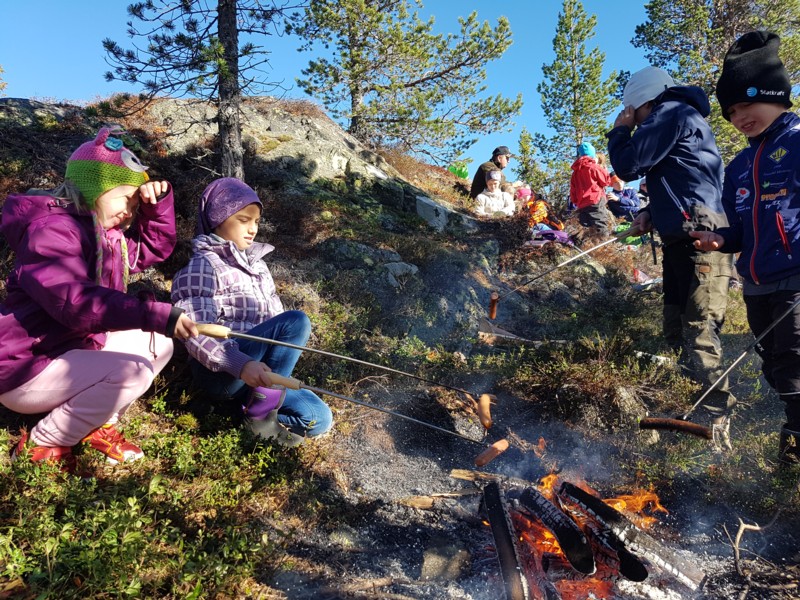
{"x":753,"y":72}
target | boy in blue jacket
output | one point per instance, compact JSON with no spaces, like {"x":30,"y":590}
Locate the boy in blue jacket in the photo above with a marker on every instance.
{"x":673,"y":146}
{"x":761,"y":196}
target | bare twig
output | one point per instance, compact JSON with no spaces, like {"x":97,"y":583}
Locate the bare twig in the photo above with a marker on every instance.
{"x":745,"y":527}
{"x":368,"y":589}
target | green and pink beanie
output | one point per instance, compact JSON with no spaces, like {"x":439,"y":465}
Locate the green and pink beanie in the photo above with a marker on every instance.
{"x":103,"y":164}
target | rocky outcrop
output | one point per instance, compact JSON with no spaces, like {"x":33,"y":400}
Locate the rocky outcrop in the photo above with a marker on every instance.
{"x":294,"y":150}
{"x":296,"y":145}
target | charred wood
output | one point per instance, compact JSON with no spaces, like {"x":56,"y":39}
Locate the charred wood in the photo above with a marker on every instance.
{"x":531,"y":558}
{"x":614,"y":553}
{"x":499,"y":518}
{"x":467,"y":475}
{"x":636,"y":540}
{"x":558,"y":568}
{"x":573,"y":543}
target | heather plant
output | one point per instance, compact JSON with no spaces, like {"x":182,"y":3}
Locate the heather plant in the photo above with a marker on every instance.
{"x":183,"y":524}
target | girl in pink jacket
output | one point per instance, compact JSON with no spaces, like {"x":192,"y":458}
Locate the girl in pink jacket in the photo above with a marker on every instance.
{"x":73,"y":344}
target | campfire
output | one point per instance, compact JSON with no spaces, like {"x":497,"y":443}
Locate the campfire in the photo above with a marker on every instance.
{"x":566,"y":542}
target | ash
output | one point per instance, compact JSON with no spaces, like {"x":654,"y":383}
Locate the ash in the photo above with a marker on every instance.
{"x":377,"y":467}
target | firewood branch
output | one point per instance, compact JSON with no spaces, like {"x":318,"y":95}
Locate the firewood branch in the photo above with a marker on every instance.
{"x":743,"y":527}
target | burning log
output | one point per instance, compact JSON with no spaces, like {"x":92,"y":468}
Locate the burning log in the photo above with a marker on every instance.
{"x":571,"y":539}
{"x":631,"y":536}
{"x":558,"y":568}
{"x":502,"y":529}
{"x":614,"y":554}
{"x":531,"y":558}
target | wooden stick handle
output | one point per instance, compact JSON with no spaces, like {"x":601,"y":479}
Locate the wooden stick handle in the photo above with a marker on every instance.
{"x":678,"y":425}
{"x":287,"y":382}
{"x":493,"y":300}
{"x":213,"y":330}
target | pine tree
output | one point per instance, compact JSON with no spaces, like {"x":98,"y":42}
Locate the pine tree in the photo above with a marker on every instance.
{"x":577,"y":102}
{"x":528,"y":169}
{"x":396,"y":83}
{"x":689,"y":39}
{"x":192,"y":48}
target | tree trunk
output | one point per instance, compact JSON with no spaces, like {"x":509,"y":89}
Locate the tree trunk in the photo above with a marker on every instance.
{"x":228,"y":115}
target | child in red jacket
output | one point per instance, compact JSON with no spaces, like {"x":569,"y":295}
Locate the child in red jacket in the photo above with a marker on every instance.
{"x":587,"y":190}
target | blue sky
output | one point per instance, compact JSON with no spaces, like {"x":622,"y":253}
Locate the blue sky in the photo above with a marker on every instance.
{"x":51,"y":50}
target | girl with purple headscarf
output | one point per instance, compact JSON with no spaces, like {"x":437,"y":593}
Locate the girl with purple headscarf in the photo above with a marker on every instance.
{"x":227,"y":283}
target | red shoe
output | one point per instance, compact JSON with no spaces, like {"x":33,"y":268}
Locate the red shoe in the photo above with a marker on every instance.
{"x":57,"y":454}
{"x":109,"y":441}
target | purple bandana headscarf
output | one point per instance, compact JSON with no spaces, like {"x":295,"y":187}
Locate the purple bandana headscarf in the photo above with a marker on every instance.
{"x":221,"y":199}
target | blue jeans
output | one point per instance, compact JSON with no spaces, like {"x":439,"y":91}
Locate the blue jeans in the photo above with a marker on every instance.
{"x":303,"y":412}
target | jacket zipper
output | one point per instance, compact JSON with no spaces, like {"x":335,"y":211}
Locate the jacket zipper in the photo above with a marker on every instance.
{"x":782,"y":234}
{"x":756,"y":202}
{"x":677,"y":202}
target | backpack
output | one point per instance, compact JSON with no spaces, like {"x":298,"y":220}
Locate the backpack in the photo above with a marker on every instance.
{"x":552,"y":235}
{"x":540,"y":211}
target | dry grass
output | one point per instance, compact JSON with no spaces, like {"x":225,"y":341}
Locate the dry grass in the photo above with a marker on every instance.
{"x":436,"y":181}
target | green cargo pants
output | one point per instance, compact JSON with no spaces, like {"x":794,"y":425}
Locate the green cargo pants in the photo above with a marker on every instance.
{"x":695,"y":299}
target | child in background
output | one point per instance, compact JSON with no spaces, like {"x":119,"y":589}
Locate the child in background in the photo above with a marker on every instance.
{"x":226,"y":282}
{"x":662,"y":133}
{"x":73,"y":344}
{"x":587,"y":190}
{"x":761,"y":196}
{"x":623,"y":201}
{"x":493,"y":202}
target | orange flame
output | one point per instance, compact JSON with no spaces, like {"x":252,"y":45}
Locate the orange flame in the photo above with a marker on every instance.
{"x":639,"y":504}
{"x":547,"y":485}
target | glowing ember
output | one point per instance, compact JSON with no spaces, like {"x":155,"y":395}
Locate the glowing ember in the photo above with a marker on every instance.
{"x":539,"y":449}
{"x":545,"y":564}
{"x":577,"y":590}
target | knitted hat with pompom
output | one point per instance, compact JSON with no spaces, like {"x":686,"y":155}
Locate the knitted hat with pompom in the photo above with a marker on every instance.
{"x":103,"y":164}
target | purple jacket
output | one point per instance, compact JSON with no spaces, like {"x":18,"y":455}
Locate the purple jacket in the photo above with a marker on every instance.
{"x":223,"y":285}
{"x":53,"y":303}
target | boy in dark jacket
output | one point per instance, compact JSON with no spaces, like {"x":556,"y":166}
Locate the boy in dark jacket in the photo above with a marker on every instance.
{"x":674,"y":147}
{"x":761,"y":196}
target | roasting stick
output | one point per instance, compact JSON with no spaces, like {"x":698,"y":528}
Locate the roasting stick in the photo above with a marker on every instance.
{"x":482,"y":405}
{"x":681,"y":423}
{"x":495,"y":297}
{"x":220,"y":331}
{"x":491,"y":451}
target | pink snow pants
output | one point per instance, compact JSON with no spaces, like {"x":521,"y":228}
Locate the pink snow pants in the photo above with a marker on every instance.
{"x":84,"y":389}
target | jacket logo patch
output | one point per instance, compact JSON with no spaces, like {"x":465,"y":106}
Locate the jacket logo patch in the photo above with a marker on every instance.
{"x":777,"y":155}
{"x":779,"y":194}
{"x":742,"y":194}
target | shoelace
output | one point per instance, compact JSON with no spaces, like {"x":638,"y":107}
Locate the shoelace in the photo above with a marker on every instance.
{"x":112,"y":435}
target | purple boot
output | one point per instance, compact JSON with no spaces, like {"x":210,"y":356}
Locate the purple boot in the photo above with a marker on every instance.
{"x":262,"y":401}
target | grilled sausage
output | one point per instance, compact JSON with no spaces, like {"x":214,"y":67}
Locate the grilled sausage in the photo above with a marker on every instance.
{"x":492,"y":452}
{"x":484,"y":409}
